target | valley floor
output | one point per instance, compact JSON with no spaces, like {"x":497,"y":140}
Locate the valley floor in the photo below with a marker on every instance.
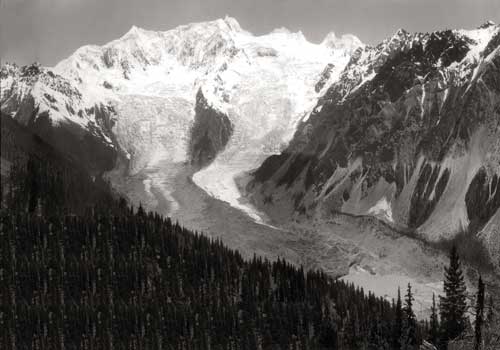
{"x":361,"y":250}
{"x":169,"y":189}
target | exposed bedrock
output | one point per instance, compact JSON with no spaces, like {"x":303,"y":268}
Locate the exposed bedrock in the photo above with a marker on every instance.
{"x":210,"y":133}
{"x":428,"y":190}
{"x":483,"y":198}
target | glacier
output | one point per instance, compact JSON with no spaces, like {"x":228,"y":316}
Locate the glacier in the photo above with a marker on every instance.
{"x":264,"y":84}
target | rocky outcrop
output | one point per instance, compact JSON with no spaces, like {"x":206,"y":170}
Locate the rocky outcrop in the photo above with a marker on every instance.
{"x":210,"y":132}
{"x":409,"y":133}
{"x":483,"y":198}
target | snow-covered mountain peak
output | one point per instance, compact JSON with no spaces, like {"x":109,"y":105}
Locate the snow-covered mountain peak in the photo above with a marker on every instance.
{"x":141,"y":90}
{"x":142,"y":56}
{"x":486,"y":24}
{"x":133,"y":32}
{"x":347,"y":42}
{"x":399,"y":36}
{"x":287,"y":33}
{"x":232,"y":23}
{"x":281,"y":30}
{"x":400,"y":32}
{"x":226,"y":24}
{"x":484,"y":32}
{"x":478,"y":41}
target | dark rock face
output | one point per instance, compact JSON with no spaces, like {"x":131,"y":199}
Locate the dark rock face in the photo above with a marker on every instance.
{"x":483,"y":198}
{"x":210,"y":133}
{"x":325,"y":75}
{"x":427,"y":193}
{"x":269,"y":167}
{"x":405,"y":123}
{"x":298,"y":162}
{"x":88,"y":145}
{"x":86,"y":148}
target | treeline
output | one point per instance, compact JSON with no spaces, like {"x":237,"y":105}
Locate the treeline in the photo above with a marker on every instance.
{"x":81,"y":270}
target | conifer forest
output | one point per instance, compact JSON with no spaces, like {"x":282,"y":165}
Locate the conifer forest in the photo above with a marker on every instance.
{"x":82,"y":269}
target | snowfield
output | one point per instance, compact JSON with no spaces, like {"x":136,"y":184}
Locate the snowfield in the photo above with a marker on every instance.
{"x":264,"y":84}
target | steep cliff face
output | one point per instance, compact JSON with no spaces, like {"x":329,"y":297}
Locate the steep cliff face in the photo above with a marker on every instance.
{"x":410,"y":133}
{"x":210,"y":133}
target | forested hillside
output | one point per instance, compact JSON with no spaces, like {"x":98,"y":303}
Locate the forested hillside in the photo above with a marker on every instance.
{"x":80,"y":269}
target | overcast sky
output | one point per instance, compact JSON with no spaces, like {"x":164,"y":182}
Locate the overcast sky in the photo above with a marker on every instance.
{"x":50,"y":30}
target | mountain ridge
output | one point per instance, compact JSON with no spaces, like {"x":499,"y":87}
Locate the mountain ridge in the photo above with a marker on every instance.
{"x":407,"y":134}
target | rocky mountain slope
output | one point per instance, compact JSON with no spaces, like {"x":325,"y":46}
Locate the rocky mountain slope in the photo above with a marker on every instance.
{"x":57,"y":111}
{"x":409,"y":133}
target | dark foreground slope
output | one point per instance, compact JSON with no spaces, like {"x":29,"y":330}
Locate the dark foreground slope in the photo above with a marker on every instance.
{"x":57,"y":180}
{"x":81,"y":270}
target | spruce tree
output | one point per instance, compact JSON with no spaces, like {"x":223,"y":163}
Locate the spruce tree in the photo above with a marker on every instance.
{"x":479,"y":314}
{"x":398,"y":323}
{"x":453,"y":304}
{"x":434,"y":323}
{"x":409,"y":333}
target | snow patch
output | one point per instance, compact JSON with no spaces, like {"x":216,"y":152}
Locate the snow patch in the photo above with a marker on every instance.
{"x":383,"y":209}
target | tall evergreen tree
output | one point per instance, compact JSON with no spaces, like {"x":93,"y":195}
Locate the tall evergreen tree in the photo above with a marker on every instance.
{"x":453,"y":305}
{"x":398,"y":323}
{"x":434,"y":323}
{"x":479,"y":314}
{"x":409,"y":333}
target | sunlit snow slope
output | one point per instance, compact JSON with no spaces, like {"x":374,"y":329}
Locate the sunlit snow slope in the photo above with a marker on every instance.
{"x":153,"y":85}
